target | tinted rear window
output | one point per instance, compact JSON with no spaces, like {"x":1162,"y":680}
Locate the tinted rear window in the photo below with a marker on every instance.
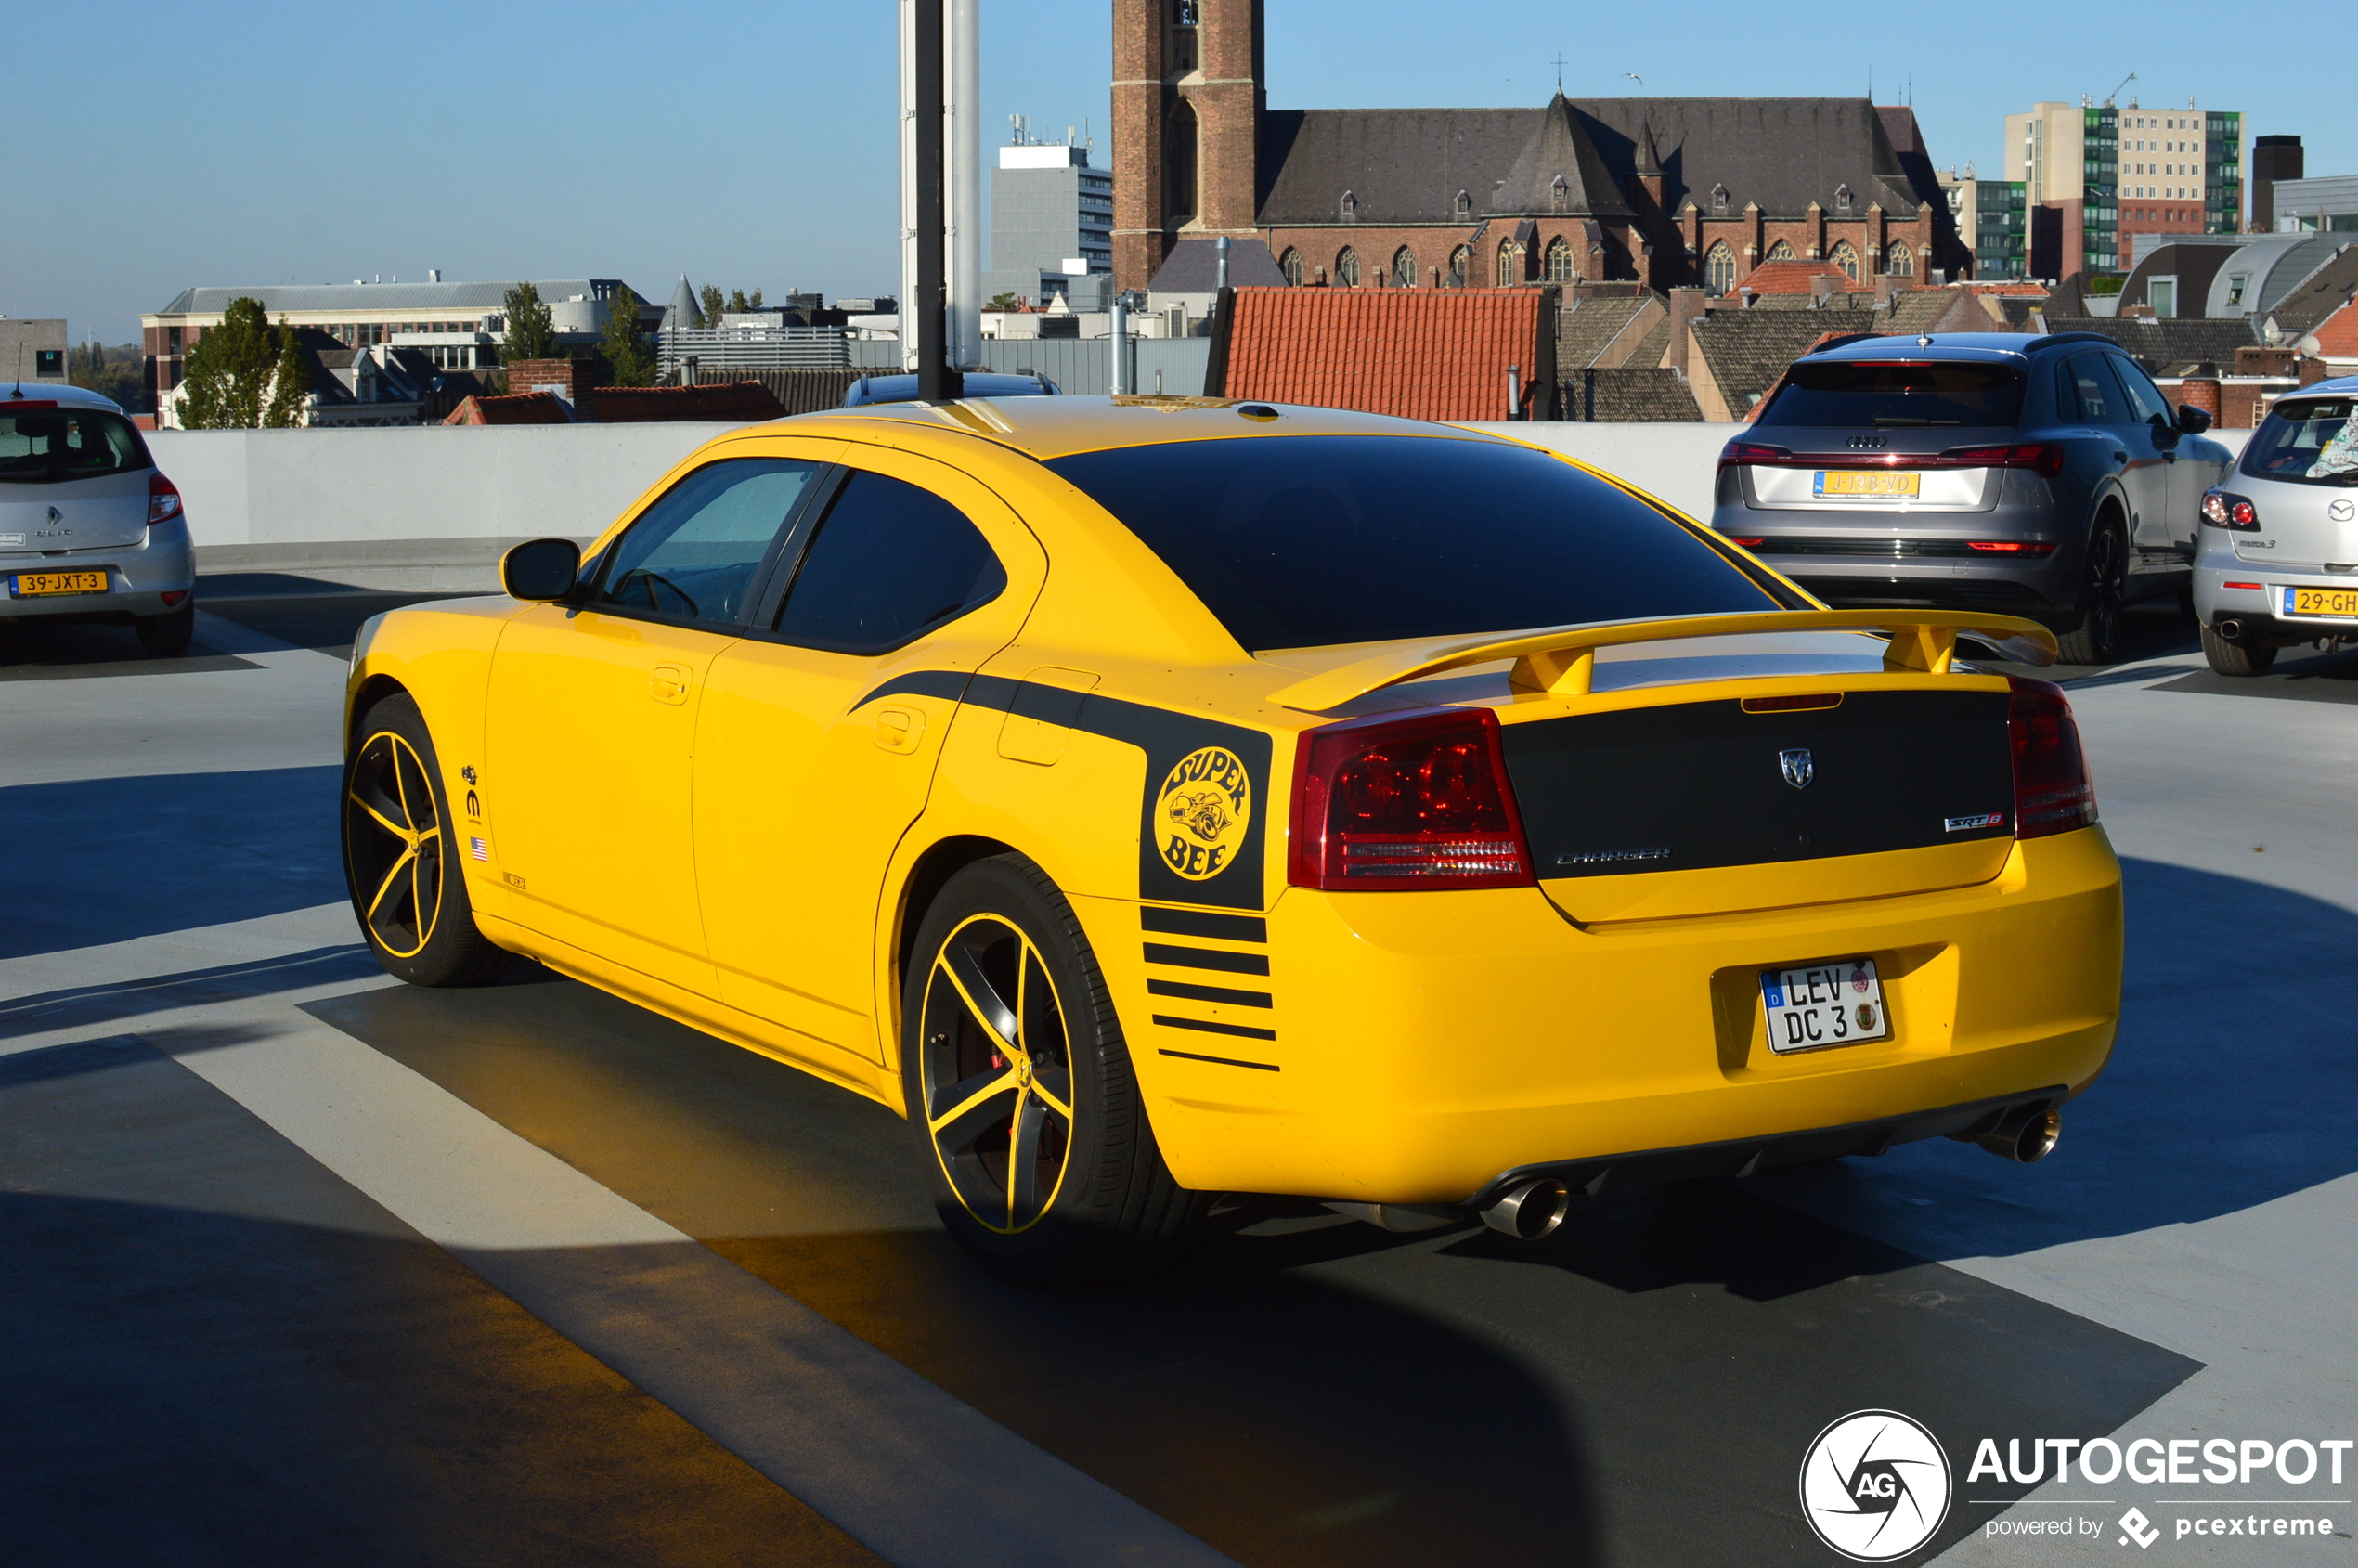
{"x":43,"y":446}
{"x":1871,"y":396}
{"x":1306,"y":541}
{"x":2310,"y":441}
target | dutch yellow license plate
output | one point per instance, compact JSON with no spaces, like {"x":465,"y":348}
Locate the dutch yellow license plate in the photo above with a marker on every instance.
{"x":29,"y":583}
{"x":1848,"y":481}
{"x":2339,"y":603}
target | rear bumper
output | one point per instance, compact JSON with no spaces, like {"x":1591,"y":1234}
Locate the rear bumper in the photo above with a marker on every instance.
{"x":1910,"y":559}
{"x":1420,"y":1044}
{"x":2261,"y":608}
{"x":138,"y":576}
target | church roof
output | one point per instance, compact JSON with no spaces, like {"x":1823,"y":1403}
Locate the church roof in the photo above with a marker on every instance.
{"x":1411,"y":165}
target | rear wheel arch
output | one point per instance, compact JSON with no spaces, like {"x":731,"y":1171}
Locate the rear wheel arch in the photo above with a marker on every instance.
{"x":923,"y":884}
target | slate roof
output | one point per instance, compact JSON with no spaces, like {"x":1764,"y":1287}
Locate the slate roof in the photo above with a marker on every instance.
{"x":1629,"y":396}
{"x":2161,"y":344}
{"x":1748,"y":350}
{"x":1193,"y":267}
{"x":802,"y":391}
{"x":376,"y":298}
{"x":659,"y":405}
{"x":1651,"y":348}
{"x":1424,"y":354}
{"x":1590,"y":326}
{"x":1407,"y":166}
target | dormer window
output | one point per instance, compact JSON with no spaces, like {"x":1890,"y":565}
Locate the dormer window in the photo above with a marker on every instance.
{"x":1465,"y":205}
{"x":1719,"y":200}
{"x":1557,"y":191}
{"x":1349,"y":204}
{"x":1841,"y":199}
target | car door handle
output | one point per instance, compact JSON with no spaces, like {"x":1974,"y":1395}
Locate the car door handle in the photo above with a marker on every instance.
{"x":2121,"y":456}
{"x":668,"y":683}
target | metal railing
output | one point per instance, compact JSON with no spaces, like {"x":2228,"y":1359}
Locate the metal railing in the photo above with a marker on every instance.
{"x":751,"y":348}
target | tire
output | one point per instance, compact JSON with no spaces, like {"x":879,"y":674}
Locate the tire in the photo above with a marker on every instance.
{"x":1095,"y":1201}
{"x":166,"y":636}
{"x":2092,"y":634}
{"x":2236,"y":658}
{"x":401,"y":856}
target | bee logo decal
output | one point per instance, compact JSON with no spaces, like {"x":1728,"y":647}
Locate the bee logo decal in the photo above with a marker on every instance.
{"x":1201,"y":812}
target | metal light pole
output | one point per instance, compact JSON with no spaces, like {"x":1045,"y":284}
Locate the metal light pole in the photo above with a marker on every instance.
{"x":927,"y":311}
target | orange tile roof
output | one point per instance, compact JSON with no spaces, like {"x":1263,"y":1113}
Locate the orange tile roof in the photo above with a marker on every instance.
{"x":2040,"y":289}
{"x":2337,"y":335}
{"x":522,"y":407}
{"x":1419,"y":354}
{"x":1793,"y":278}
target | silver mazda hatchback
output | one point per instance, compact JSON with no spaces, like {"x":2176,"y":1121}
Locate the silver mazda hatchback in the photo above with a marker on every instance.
{"x":89,"y":530}
{"x":2277,"y":563}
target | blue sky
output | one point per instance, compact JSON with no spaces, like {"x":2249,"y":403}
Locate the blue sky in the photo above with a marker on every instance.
{"x":163,"y":145}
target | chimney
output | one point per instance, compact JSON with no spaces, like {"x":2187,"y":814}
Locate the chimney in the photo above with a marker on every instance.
{"x":1823,"y":287}
{"x":2200,"y":390}
{"x":1748,"y":293}
{"x":1887,"y":287}
{"x":1685,"y":306}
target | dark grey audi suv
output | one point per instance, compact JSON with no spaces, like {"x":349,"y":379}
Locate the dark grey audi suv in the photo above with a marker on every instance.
{"x":2044,"y":476}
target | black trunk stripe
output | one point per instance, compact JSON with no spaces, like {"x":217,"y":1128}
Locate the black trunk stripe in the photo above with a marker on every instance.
{"x":1205,"y":1026}
{"x":1205,"y":958}
{"x":1208,"y":993}
{"x":1220,"y":1061}
{"x":1203,"y":923}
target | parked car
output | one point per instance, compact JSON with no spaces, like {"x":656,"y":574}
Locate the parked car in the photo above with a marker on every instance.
{"x":89,"y":530}
{"x":1152,"y":802}
{"x":978,"y":384}
{"x":2278,"y":563}
{"x":2045,"y":476}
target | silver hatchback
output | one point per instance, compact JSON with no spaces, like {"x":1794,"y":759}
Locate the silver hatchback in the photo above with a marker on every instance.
{"x":2277,"y":563}
{"x":89,"y":530}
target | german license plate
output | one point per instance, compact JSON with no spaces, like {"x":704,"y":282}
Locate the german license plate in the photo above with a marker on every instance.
{"x":2338,"y":602}
{"x":1811,"y":1006}
{"x":28,"y":584}
{"x":1845,"y":482}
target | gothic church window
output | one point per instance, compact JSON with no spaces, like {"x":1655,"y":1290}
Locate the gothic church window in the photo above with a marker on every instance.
{"x":1559,"y":269}
{"x":1846,"y":259}
{"x":1290,"y":265}
{"x":1404,"y":267}
{"x":1780,"y":251}
{"x":1903,"y":264}
{"x":1347,"y":268}
{"x":1720,"y":270}
{"x":1509,"y":274}
{"x":1460,"y":263}
{"x":1179,"y":165}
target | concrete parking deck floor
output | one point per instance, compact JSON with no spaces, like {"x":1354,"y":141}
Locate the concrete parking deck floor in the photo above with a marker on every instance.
{"x":302,"y":1266}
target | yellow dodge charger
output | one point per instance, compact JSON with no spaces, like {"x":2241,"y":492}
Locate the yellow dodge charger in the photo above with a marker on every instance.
{"x":1158,"y":797}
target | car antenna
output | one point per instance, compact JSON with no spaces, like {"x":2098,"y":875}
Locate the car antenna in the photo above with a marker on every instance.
{"x":1923,"y":340}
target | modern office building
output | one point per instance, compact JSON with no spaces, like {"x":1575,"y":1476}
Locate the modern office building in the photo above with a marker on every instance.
{"x":2326,"y":205}
{"x":2092,"y":172}
{"x":1050,"y":219}
{"x":2274,"y":160}
{"x":456,"y":326}
{"x":1990,"y":218}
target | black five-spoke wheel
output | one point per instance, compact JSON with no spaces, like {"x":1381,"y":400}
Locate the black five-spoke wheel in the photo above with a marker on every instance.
{"x":393,"y":838}
{"x":997,"y":1074}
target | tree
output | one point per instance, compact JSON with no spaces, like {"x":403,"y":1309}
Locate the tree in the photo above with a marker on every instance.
{"x":741,"y":301}
{"x":243,"y":374}
{"x":1003,"y":302}
{"x":110,"y":374}
{"x":625,"y":345}
{"x":710,"y":297}
{"x":532,"y":331}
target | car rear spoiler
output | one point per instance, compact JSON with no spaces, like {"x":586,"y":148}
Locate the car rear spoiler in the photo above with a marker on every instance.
{"x":1562,"y":659}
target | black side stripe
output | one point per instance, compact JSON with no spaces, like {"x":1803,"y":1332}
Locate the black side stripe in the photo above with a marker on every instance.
{"x":1205,"y":1026}
{"x":1208,"y":993}
{"x":1203,"y":923}
{"x":1219,"y":1061}
{"x":1205,"y":958}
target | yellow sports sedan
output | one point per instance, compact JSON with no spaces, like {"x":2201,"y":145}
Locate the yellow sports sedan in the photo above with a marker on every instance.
{"x":1158,"y":797}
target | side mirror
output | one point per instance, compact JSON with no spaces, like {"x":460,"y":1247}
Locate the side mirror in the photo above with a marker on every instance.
{"x":540,"y":569}
{"x":2165,"y":430}
{"x":2193,"y":420}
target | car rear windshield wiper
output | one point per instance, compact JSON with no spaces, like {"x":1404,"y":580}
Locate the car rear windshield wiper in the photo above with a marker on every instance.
{"x":1885,"y":421}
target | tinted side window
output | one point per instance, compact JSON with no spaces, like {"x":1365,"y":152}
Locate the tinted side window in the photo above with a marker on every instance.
{"x":891,"y":563}
{"x":2089,"y":393}
{"x":695,"y":553}
{"x":2145,"y":400}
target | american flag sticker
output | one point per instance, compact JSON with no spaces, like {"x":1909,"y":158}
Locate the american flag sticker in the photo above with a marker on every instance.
{"x":477,"y":847}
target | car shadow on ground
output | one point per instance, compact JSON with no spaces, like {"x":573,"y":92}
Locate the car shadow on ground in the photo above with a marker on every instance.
{"x":2230,"y":1085}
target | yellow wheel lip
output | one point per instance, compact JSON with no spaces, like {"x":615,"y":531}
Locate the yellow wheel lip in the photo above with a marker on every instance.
{"x":1028,"y":1085}
{"x":412,"y":838}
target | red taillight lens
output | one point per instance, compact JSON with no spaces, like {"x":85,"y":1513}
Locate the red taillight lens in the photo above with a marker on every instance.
{"x":2011,"y":546}
{"x":2053,"y":792}
{"x":1391,"y":804}
{"x":163,"y":500}
{"x":2222,"y":509}
{"x":1741,"y":454}
{"x":1748,"y":544}
{"x":2042,"y":458}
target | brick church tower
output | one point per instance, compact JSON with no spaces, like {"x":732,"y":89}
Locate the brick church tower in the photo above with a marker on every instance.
{"x":1187,"y":100}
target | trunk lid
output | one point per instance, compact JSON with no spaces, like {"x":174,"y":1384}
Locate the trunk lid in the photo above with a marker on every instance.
{"x":110,"y":512}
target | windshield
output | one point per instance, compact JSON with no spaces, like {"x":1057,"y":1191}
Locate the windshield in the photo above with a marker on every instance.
{"x":2312,"y":441}
{"x":43,"y":445}
{"x":1311,"y":540}
{"x":1890,"y":396}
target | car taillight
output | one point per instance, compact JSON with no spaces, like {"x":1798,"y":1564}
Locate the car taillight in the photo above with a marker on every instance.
{"x":2011,"y":546}
{"x":2053,"y":791}
{"x":2042,"y":458}
{"x":1397,"y":803}
{"x":1748,"y":544}
{"x":2222,"y":509}
{"x":1744,"y":454}
{"x":163,"y":500}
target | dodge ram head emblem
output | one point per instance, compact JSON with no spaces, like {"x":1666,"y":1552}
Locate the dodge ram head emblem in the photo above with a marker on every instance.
{"x":1798,"y":768}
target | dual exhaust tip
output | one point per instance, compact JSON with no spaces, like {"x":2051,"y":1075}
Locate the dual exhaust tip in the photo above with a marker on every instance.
{"x":2026,"y":1136}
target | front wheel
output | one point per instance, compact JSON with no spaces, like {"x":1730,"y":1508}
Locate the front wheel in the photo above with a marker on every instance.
{"x":401,"y":856}
{"x":2092,"y":634}
{"x":2236,"y":658}
{"x":1020,"y":1093}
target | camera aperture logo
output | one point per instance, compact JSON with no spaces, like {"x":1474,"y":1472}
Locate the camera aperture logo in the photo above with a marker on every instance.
{"x":1875,"y":1485}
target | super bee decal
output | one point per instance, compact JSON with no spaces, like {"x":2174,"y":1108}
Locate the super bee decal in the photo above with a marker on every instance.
{"x":1206,"y":807}
{"x":1199,"y":834}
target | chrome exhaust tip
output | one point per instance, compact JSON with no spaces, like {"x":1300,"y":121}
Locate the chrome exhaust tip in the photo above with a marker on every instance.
{"x":2025,"y":1140}
{"x":1530,"y":1211}
{"x":2230,"y":629}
